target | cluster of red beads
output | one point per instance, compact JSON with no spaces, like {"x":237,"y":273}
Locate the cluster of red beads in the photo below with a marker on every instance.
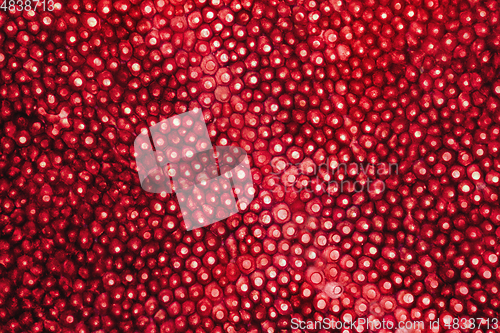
{"x":297,"y":84}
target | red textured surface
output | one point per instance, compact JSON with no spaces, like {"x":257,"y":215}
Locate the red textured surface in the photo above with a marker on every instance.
{"x":84,"y":249}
